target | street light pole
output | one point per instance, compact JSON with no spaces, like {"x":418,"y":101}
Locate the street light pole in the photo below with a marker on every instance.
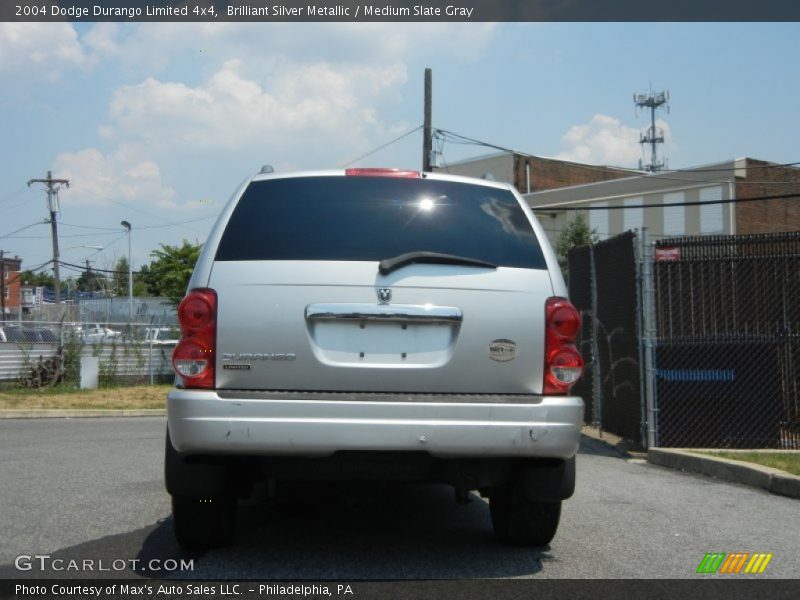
{"x":127,"y":226}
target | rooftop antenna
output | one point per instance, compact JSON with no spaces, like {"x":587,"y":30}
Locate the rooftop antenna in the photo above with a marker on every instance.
{"x":654,"y":136}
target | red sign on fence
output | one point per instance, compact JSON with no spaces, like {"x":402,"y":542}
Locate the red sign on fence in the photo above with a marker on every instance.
{"x":671,"y":254}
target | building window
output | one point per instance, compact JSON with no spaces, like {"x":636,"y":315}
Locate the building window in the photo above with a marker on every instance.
{"x":633,"y":218}
{"x":598,"y":220}
{"x":711,"y":220}
{"x":674,"y":217}
{"x":6,"y":295}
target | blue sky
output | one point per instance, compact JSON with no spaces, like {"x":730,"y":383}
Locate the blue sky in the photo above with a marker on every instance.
{"x":157,"y":124}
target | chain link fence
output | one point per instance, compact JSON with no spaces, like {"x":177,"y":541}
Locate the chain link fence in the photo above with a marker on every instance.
{"x":603,"y":282}
{"x":156,"y":312}
{"x":40,"y":354}
{"x":728,"y":341}
{"x":580,"y":294}
{"x":716,"y":365}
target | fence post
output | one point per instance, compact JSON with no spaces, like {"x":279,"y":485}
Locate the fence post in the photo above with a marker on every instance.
{"x":597,"y":384}
{"x":638,"y":253}
{"x":150,"y":355}
{"x":647,"y":340}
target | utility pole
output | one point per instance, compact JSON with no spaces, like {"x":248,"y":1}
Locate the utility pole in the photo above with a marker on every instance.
{"x":654,"y":136}
{"x":2,"y":287}
{"x":89,"y":276}
{"x":127,"y":226}
{"x":53,"y":185}
{"x":427,"y":143}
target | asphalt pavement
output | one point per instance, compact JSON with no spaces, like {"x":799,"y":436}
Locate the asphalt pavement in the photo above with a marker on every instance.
{"x":91,"y":489}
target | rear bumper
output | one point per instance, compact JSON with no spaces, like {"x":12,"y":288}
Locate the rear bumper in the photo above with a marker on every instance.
{"x":203,"y":422}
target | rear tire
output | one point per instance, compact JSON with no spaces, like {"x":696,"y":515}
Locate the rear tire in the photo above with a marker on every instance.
{"x":204,"y":523}
{"x":522,"y":522}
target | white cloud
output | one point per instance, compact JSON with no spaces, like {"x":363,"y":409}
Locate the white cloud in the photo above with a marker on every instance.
{"x":40,"y":50}
{"x":149,"y":48}
{"x":123,"y":175}
{"x":607,"y":141}
{"x":604,"y":140}
{"x":103,"y":40}
{"x":335,"y":106}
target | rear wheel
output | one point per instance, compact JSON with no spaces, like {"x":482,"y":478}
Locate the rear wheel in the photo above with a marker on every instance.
{"x":203,"y":523}
{"x":522,"y":522}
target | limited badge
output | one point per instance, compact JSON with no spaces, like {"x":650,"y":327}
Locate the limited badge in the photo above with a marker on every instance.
{"x":502,"y":350}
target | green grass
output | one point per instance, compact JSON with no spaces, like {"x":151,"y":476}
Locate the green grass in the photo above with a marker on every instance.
{"x":14,"y":389}
{"x":785,"y":461}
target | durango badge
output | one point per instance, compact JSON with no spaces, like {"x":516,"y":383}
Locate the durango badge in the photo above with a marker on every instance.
{"x":503,"y":350}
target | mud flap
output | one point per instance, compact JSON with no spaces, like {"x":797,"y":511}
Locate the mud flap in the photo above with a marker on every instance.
{"x":548,"y":482}
{"x":185,"y":477}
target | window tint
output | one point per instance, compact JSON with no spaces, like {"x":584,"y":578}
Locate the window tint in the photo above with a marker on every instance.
{"x":372,"y":218}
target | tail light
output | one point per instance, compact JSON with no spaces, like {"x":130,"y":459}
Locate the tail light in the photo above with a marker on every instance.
{"x":563,"y":364}
{"x":382,"y":172}
{"x":194,"y":356}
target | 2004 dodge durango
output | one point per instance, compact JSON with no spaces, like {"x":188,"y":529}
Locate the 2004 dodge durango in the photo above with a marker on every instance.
{"x":375,"y":324}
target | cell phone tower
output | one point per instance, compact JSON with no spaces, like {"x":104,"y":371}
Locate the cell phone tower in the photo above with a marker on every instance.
{"x":654,"y":136}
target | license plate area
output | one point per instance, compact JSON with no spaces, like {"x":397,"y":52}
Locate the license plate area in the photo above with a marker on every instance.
{"x":365,"y":343}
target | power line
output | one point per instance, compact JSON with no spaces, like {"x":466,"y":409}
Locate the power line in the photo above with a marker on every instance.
{"x":465,"y":140}
{"x":82,"y":269}
{"x":381,"y":147}
{"x":108,"y":245}
{"x":555,"y":207}
{"x":608,"y":234}
{"x":71,"y":235}
{"x":31,"y":270}
{"x":206,"y":218}
{"x":144,"y":212}
{"x":168,"y":224}
{"x":23,"y":229}
{"x":734,"y":168}
{"x":14,"y":194}
{"x":89,"y":227}
{"x":141,"y":210}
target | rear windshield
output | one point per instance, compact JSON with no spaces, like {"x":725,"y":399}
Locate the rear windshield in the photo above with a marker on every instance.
{"x":373,"y":218}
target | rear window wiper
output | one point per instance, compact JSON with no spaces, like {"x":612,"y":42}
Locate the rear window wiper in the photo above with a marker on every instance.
{"x":387,"y":265}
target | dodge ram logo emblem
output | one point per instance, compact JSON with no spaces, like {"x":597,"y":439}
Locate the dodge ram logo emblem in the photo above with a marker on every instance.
{"x":384,"y":295}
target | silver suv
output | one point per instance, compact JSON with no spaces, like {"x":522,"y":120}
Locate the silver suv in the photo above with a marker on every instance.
{"x":375,"y":324}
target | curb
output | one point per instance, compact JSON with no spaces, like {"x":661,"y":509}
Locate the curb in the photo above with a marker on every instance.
{"x":772,"y":480}
{"x":623,"y":447}
{"x":56,"y":413}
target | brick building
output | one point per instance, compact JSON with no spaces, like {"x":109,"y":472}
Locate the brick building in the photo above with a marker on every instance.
{"x":533,"y":173}
{"x":768,"y":216}
{"x":10,"y":284}
{"x":714,"y":184}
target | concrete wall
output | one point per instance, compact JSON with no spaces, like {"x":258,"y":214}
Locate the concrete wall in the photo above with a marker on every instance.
{"x":501,"y":166}
{"x":712,"y":182}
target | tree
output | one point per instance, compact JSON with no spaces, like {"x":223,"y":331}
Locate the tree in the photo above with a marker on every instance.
{"x":91,"y":281}
{"x":146,"y":282}
{"x":169,"y":273}
{"x":40,"y":279}
{"x":140,"y":288}
{"x":120,"y":277}
{"x":575,"y":233}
